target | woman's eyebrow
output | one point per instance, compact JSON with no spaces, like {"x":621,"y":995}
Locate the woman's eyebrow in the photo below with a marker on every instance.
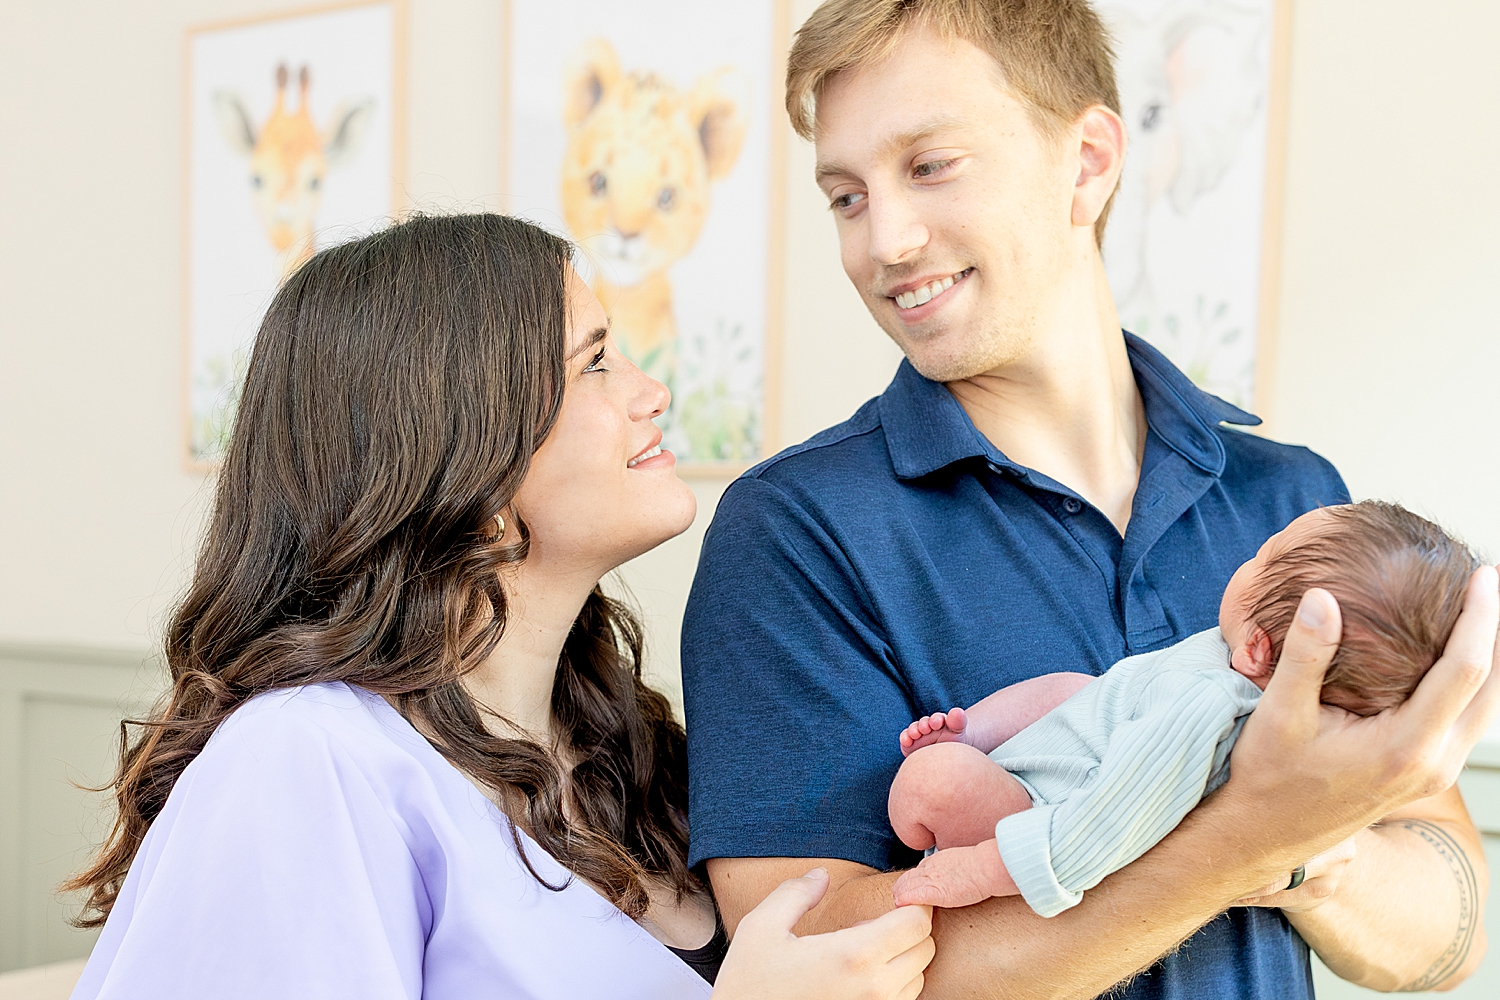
{"x":594,"y":338}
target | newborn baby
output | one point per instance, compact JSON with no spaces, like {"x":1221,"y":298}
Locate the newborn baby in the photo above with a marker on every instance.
{"x":1047,"y":786}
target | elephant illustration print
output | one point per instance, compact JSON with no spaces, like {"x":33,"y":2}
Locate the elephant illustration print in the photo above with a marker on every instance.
{"x":291,"y":125}
{"x":649,"y":149}
{"x":1183,"y":245}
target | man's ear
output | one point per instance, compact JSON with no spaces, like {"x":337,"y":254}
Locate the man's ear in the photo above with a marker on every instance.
{"x":1254,"y":657}
{"x":1101,"y":156}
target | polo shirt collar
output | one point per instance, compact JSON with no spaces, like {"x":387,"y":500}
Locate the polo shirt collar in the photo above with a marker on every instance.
{"x":926,"y":429}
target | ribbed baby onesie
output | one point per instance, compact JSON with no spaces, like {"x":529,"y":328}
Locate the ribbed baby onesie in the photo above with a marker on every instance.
{"x":1113,"y":769}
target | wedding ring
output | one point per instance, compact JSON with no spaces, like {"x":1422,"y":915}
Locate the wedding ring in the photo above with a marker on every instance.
{"x":1298,"y":875}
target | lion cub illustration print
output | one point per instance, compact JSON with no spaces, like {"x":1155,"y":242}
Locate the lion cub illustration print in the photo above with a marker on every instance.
{"x":640,"y":160}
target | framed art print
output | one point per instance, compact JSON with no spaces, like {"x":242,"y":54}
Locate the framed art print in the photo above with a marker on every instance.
{"x":294,"y":127}
{"x":1192,"y":240}
{"x":651,"y":134}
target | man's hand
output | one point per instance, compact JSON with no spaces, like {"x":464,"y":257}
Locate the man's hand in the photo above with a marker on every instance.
{"x":1320,"y":883}
{"x":1339,"y":773}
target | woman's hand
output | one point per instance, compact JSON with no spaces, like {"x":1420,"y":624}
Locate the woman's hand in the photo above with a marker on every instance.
{"x":1322,"y":881}
{"x":880,"y":959}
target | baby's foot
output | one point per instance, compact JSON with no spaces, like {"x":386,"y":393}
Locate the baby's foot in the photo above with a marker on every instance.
{"x":939,"y":727}
{"x":958,"y":876}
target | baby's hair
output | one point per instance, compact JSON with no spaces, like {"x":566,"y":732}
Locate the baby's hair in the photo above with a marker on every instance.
{"x":1400,"y":582}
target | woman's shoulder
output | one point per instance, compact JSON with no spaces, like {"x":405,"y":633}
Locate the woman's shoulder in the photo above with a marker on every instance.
{"x":313,"y":739}
{"x":333,"y":716}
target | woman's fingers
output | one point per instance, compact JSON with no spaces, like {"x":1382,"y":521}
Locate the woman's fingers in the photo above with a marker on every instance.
{"x":789,"y":902}
{"x":907,"y":967}
{"x":1296,"y":686}
{"x":893,"y":933}
{"x":913,"y":989}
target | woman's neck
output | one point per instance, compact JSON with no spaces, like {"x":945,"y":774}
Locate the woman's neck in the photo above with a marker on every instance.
{"x":515,"y":681}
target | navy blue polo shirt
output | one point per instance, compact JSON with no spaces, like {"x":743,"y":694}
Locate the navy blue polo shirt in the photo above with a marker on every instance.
{"x":899,"y":564}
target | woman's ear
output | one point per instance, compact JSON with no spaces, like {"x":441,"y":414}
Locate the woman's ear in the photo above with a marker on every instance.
{"x":1254,"y":657}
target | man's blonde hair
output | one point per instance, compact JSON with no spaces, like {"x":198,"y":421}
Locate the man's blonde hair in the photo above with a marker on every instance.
{"x":1055,"y":54}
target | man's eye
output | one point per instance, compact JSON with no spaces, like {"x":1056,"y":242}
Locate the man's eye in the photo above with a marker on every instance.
{"x":847,"y":201}
{"x":931,"y":168}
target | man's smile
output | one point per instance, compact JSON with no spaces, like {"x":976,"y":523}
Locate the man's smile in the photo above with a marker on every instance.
{"x":913,"y":296}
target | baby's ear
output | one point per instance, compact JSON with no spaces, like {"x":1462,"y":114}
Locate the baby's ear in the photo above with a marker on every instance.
{"x":1254,"y":658}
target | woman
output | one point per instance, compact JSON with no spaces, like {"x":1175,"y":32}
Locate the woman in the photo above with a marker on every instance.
{"x":408,"y":751}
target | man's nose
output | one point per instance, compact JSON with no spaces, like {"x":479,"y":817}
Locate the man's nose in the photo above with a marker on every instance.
{"x":896,"y":231}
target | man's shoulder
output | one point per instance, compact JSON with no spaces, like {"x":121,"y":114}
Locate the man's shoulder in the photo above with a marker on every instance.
{"x":1257,"y":462}
{"x":856,"y":447}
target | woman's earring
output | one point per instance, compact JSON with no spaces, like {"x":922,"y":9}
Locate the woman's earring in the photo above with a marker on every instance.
{"x":499,"y":527}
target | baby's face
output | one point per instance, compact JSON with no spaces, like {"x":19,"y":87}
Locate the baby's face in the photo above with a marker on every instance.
{"x":1234,"y":619}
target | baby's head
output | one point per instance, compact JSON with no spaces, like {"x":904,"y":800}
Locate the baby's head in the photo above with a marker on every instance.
{"x":1399,"y":580}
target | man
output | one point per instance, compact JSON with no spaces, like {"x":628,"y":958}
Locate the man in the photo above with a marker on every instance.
{"x":1037,"y":492}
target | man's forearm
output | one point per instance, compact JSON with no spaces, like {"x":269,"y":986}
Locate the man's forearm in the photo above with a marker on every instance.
{"x":1001,"y":948}
{"x":1428,"y":857}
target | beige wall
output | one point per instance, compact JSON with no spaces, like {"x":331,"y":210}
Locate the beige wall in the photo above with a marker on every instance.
{"x":1387,"y":341}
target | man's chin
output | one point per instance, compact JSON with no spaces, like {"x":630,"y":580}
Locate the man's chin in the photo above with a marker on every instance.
{"x":945,"y":362}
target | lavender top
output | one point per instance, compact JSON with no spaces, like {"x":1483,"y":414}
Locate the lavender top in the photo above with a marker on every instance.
{"x":319,"y":846}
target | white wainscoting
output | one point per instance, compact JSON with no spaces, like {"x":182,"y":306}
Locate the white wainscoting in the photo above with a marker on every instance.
{"x":60,"y":712}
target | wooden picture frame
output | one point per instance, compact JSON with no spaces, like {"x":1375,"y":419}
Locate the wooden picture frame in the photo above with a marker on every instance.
{"x":532,"y":192}
{"x":359,"y":143}
{"x":1193,"y":244}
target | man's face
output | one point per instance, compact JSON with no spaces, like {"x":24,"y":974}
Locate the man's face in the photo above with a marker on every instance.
{"x":954,"y":212}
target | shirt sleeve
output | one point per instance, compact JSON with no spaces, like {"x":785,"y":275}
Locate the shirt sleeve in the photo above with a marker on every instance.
{"x":1152,"y":773}
{"x":274,"y":871}
{"x":792,"y":698}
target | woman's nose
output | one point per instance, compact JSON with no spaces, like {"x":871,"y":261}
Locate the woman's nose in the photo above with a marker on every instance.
{"x":651,"y":399}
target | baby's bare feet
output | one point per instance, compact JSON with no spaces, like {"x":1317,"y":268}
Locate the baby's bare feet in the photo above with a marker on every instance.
{"x":958,"y":876}
{"x":939,"y":727}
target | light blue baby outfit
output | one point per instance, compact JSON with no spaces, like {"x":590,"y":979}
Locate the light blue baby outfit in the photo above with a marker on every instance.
{"x":1114,"y":768}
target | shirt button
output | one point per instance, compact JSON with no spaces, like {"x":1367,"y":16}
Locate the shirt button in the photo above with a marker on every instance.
{"x":1072,"y":506}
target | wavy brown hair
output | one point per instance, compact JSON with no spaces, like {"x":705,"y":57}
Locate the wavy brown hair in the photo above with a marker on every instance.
{"x":398,"y":388}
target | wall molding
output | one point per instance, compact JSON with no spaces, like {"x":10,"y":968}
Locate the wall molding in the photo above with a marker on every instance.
{"x":60,"y":709}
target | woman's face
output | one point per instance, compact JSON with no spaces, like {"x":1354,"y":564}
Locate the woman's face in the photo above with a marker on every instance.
{"x":600,"y":489}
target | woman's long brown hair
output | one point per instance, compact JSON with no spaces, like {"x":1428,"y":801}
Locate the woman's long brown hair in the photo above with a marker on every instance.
{"x":398,"y":388}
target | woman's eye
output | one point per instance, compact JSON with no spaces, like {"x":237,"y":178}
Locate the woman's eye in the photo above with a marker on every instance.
{"x":595,"y":363}
{"x":931,"y":168}
{"x":844,"y":202}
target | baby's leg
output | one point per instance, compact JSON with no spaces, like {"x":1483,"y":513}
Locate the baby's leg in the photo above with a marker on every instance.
{"x":952,"y":795}
{"x":994,"y":719}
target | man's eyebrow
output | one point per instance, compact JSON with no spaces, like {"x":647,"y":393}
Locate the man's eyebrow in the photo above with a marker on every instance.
{"x":895,"y":143}
{"x":596,"y":337}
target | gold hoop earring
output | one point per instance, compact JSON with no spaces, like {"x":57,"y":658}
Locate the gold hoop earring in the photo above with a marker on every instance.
{"x":499,"y":527}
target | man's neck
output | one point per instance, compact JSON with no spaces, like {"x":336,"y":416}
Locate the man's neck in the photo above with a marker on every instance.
{"x":1069,"y":408}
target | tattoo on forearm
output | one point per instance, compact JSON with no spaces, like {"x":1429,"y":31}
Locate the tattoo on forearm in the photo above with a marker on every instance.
{"x":1452,"y":959}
